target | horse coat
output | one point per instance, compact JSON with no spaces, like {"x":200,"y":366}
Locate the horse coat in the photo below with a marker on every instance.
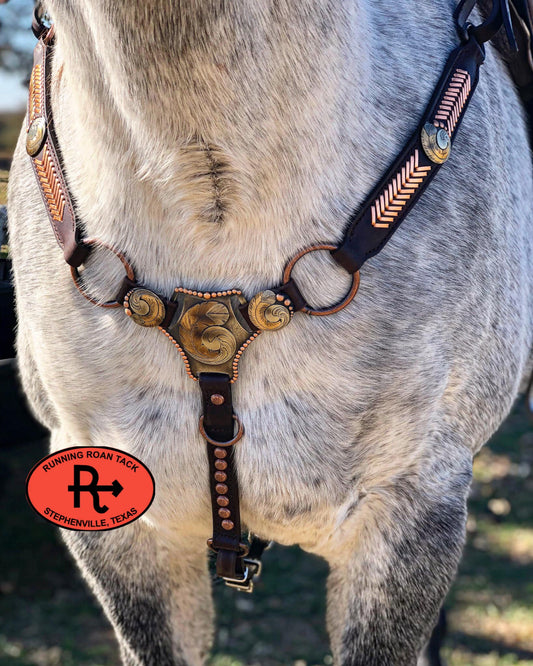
{"x":210,"y":149}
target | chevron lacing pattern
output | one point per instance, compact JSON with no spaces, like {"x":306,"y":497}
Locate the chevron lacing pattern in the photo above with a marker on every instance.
{"x":36,"y":92}
{"x":391,"y":201}
{"x":50,"y":185}
{"x":453,"y":101}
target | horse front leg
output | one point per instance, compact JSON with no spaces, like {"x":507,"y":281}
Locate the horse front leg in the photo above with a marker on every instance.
{"x":394,"y":568}
{"x":156,"y":596}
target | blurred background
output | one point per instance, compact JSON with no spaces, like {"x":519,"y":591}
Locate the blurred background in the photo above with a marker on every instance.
{"x":48,"y":618}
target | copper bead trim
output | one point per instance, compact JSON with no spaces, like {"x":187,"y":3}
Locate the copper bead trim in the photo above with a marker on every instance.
{"x":181,"y":352}
{"x":208,"y":294}
{"x":235,"y":367}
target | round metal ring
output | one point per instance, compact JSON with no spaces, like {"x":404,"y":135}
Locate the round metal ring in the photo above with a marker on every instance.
{"x":231,"y":442}
{"x":321,"y":312}
{"x":243,"y":552}
{"x":94,"y":242}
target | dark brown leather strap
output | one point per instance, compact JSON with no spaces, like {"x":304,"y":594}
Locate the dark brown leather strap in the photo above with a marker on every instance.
{"x":219,"y":426}
{"x":404,"y":183}
{"x":46,"y":160}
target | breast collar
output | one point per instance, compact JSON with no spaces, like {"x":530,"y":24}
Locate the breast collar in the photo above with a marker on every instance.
{"x":211,"y":330}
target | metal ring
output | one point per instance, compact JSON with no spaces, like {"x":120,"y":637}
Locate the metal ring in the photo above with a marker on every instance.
{"x":321,"y":312}
{"x":231,"y":442}
{"x":92,"y":242}
{"x":243,"y":552}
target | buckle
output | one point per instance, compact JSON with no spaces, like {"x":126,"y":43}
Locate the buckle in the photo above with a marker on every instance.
{"x":252,"y":569}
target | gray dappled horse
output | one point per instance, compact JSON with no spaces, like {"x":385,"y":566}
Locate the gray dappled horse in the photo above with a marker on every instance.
{"x":211,"y":141}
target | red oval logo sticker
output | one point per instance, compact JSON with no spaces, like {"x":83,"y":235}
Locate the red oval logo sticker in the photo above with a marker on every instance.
{"x":90,"y":488}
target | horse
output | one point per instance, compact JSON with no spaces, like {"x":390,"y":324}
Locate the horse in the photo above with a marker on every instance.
{"x":210,"y":142}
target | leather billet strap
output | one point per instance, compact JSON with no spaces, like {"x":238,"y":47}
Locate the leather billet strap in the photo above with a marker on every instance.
{"x":218,"y":426}
{"x":46,"y":160}
{"x":404,"y":183}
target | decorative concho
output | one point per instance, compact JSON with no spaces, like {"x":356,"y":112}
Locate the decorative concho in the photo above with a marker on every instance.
{"x":144,"y":307}
{"x":436,"y":143}
{"x":269,"y":312}
{"x":36,"y":136}
{"x":203,"y":333}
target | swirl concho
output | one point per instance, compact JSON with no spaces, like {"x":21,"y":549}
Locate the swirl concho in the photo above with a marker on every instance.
{"x":269,"y":312}
{"x":144,"y":307}
{"x":203,"y":335}
{"x":209,"y":330}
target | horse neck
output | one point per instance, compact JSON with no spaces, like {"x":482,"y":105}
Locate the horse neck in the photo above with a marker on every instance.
{"x":223,"y":120}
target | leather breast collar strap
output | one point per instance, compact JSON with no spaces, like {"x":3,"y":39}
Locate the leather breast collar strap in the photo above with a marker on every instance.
{"x":211,"y":330}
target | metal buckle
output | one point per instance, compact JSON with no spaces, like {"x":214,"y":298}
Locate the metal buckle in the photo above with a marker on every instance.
{"x":252,"y":570}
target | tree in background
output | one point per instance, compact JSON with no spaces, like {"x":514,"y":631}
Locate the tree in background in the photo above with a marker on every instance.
{"x":15,"y":36}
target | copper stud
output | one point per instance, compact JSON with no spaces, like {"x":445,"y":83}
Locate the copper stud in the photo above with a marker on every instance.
{"x":221,"y":464}
{"x":221,"y":476}
{"x":279,"y":297}
{"x":220,"y":453}
{"x":206,"y":295}
{"x":217,"y":399}
{"x":201,"y":294}
{"x":228,"y":524}
{"x":221,"y":488}
{"x":224,"y":513}
{"x":222,"y":501}
{"x":286,"y":302}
